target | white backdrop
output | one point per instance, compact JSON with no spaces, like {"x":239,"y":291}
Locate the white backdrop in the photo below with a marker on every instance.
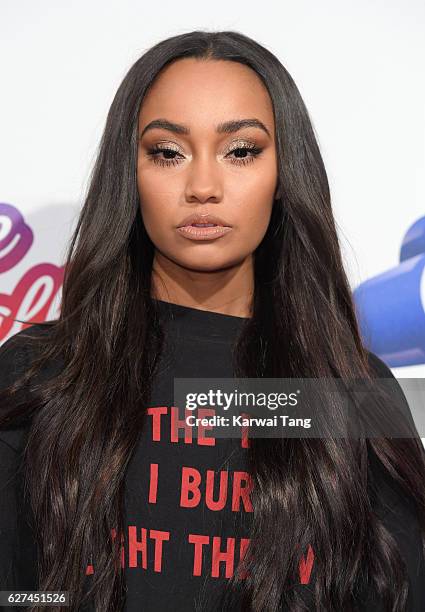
{"x":359,"y":67}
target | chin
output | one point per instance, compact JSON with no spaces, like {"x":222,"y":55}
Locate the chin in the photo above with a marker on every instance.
{"x":207,"y":264}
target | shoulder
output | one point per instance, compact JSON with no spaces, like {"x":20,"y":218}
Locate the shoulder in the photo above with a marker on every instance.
{"x":16,"y":356}
{"x":379,"y":367}
{"x":31,"y":331}
{"x":17,"y":352}
{"x":392,"y":387}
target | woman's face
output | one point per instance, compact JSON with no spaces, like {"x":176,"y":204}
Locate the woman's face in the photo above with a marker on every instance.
{"x":189,"y":165}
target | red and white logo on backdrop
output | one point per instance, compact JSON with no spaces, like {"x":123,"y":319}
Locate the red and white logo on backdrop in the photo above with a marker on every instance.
{"x":35,"y":297}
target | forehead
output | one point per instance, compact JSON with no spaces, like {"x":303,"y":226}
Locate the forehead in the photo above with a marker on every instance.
{"x":203,"y":93}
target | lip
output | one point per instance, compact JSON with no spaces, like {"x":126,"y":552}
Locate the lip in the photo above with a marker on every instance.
{"x":203,"y":233}
{"x":203,"y":218}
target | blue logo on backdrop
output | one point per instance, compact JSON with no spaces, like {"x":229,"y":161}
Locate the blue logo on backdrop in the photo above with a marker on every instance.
{"x":391,"y":306}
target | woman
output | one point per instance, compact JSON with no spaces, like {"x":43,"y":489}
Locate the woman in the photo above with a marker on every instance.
{"x":204,"y":127}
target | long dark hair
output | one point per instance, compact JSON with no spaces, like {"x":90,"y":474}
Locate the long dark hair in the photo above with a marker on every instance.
{"x":84,"y":423}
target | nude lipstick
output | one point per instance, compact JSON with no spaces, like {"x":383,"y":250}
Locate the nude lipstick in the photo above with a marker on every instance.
{"x":203,"y":227}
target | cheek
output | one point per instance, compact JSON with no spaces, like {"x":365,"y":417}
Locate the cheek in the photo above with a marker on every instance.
{"x":254,"y":223}
{"x":255,"y":206}
{"x":156,"y":202}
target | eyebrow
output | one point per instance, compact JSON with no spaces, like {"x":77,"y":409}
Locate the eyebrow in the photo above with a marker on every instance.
{"x":228,"y":127}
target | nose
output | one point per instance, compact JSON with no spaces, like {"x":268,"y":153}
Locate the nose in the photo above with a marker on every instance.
{"x":204,"y":181}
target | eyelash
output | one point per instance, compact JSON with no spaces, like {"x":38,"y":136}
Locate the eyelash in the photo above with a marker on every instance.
{"x":154,"y":151}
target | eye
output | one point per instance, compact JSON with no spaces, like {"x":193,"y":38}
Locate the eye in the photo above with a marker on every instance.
{"x":169,"y":160}
{"x":245,"y":154}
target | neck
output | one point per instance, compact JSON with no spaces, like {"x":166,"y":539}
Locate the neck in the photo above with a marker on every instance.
{"x":226,"y":291}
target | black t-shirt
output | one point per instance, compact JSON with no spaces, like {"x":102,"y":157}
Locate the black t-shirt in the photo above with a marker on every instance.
{"x":187,"y":499}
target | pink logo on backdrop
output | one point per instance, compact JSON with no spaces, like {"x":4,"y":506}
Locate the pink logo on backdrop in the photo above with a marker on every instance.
{"x":32,"y":299}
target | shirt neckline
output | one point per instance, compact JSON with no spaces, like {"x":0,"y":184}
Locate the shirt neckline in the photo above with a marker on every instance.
{"x":197,"y":323}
